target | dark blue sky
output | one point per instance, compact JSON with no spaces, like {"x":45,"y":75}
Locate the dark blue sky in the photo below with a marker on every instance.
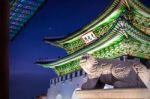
{"x":55,"y":18}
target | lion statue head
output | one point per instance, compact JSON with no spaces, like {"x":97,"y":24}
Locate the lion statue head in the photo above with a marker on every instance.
{"x":88,"y":63}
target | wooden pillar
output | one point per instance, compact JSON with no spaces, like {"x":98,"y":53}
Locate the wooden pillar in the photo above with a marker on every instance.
{"x":4,"y":71}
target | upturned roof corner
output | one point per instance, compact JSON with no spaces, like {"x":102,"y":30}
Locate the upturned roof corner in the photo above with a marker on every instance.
{"x":120,"y":30}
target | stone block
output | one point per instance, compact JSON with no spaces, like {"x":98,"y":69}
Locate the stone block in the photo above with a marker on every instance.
{"x":136,"y":93}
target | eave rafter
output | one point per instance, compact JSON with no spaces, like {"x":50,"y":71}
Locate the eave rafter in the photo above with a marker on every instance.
{"x":21,"y":11}
{"x":126,"y":31}
{"x":101,"y":25}
{"x":113,"y":44}
{"x":139,"y":16}
{"x":116,"y":5}
{"x":136,"y":4}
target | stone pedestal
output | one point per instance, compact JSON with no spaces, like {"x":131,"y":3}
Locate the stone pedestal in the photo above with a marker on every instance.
{"x":114,"y":94}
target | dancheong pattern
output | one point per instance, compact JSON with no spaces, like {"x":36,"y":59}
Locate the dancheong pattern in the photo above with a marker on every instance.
{"x":123,"y":29}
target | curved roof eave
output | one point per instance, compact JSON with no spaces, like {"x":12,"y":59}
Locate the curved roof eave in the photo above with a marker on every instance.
{"x":115,"y":4}
{"x":135,"y":3}
{"x":138,"y":35}
{"x":140,"y":7}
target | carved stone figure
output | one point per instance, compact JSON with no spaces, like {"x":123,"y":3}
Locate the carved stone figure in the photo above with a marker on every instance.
{"x":128,"y":74}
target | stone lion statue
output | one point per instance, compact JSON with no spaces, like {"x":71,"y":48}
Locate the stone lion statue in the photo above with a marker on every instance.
{"x":128,"y":74}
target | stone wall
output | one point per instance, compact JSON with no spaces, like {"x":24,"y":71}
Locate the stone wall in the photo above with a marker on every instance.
{"x":64,"y":87}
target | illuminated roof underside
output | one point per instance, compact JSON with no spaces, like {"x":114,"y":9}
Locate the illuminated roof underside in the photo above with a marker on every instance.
{"x":20,"y":13}
{"x":123,"y":29}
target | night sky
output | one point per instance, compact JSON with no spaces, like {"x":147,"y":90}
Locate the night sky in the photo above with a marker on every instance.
{"x":56,"y":18}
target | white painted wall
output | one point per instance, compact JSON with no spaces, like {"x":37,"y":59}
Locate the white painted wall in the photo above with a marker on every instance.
{"x":66,"y":89}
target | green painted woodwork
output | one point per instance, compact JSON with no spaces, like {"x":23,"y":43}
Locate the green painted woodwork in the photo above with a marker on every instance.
{"x":69,"y":67}
{"x":118,"y":31}
{"x":120,"y":47}
{"x":99,"y":26}
{"x":111,"y":45}
{"x":74,"y":43}
{"x":99,"y":29}
{"x":136,"y":4}
{"x":139,"y":21}
{"x":20,"y":13}
{"x":100,"y":18}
